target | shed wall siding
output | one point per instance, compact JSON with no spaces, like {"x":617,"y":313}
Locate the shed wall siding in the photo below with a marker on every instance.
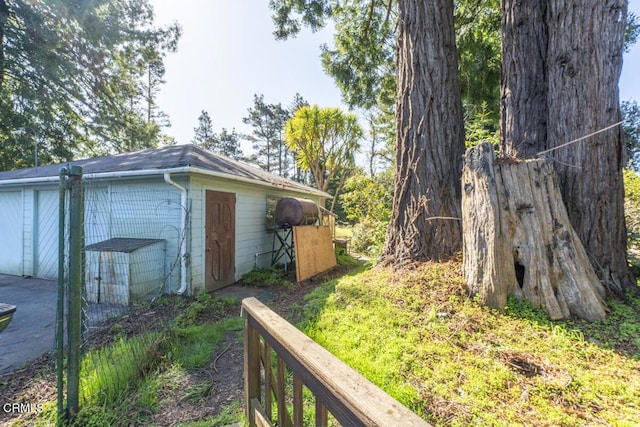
{"x":137,"y":209}
{"x":143,"y":208}
{"x":121,"y":208}
{"x":251,"y":234}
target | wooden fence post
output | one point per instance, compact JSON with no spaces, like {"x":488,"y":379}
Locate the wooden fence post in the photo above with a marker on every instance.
{"x":251,"y":369}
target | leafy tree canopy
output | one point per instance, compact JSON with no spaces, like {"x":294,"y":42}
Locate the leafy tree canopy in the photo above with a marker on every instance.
{"x":228,"y":144}
{"x":362,"y":58}
{"x":203,"y":133}
{"x":325,"y":141}
{"x":268,"y":122}
{"x":631,"y":126}
{"x":71,"y":78}
{"x":368,"y":197}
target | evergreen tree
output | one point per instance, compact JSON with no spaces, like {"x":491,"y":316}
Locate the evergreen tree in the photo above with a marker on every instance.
{"x":268,"y":122}
{"x":71,"y":77}
{"x":429,"y":120}
{"x":561,"y":83}
{"x":228,"y":144}
{"x":203,"y":133}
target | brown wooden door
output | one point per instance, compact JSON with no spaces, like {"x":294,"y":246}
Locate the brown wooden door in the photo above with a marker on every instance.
{"x":220,"y":243}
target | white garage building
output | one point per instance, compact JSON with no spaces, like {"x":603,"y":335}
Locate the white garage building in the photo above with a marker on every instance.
{"x":200,"y":219}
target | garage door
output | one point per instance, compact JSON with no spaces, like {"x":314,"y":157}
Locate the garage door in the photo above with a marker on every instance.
{"x":11,"y":246}
{"x":46,"y":234}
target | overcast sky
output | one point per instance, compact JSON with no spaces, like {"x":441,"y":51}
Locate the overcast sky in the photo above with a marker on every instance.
{"x":227,"y":53}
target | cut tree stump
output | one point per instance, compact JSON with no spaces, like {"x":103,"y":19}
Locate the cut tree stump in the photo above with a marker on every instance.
{"x":517,"y":238}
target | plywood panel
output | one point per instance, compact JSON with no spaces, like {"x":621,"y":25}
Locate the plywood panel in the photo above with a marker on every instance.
{"x":314,"y":251}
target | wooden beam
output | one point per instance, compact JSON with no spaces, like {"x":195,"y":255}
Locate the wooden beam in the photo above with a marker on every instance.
{"x":268,"y":378}
{"x":251,"y":369}
{"x":259,"y":415}
{"x":352,"y":399}
{"x":298,"y":401}
{"x":322,"y":417}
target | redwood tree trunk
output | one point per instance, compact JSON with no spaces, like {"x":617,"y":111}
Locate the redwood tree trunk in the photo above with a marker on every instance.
{"x":430,"y":138}
{"x":523,"y":127}
{"x":562,"y":88}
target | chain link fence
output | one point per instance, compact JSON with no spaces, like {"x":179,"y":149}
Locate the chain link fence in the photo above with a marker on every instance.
{"x":129,"y":242}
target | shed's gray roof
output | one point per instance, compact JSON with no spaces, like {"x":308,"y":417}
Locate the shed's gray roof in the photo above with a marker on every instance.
{"x":165,"y":158}
{"x":121,"y":244}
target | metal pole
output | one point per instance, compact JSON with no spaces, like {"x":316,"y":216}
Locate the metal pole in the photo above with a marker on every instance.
{"x":60,"y":307}
{"x":74,"y":322}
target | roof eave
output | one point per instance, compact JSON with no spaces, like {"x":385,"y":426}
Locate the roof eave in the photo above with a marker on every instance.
{"x":153,"y":172}
{"x":232,"y":177}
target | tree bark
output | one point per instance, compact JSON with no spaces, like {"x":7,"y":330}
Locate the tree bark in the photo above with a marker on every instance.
{"x":518,"y":239}
{"x":523,"y":128}
{"x":430,"y":136}
{"x":562,"y":65}
{"x":4,"y":18}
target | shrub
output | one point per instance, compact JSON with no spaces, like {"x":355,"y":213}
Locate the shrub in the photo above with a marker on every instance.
{"x":632,"y":207}
{"x":204,"y":308}
{"x":368,"y":237}
{"x":264,"y":277}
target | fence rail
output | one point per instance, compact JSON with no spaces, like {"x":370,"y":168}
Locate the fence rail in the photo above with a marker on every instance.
{"x":338,"y":389}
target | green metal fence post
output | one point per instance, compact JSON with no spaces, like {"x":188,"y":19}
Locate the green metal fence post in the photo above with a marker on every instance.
{"x":74,"y":320}
{"x":60,"y":307}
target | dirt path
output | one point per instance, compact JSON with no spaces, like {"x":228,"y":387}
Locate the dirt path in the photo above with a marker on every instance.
{"x":219,"y":382}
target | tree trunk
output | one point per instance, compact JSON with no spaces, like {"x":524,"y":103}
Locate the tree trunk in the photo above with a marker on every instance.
{"x":564,"y":87}
{"x":518,"y":239}
{"x":523,"y":128}
{"x":426,"y":205}
{"x":4,"y":18}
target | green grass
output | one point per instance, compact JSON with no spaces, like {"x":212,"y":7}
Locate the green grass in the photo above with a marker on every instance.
{"x":266,"y":277}
{"x":109,"y":372}
{"x":126,"y":382}
{"x":229,"y":415}
{"x":414,"y":333}
{"x":425,"y":342}
{"x":343,"y":232}
{"x":192,"y":346}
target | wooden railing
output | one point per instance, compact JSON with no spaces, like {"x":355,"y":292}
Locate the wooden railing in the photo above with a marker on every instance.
{"x":338,"y":389}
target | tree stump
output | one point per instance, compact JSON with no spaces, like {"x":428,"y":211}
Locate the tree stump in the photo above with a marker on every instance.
{"x":517,"y":238}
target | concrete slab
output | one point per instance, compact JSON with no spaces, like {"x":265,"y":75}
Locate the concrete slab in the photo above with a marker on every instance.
{"x":33,"y":328}
{"x":32,"y":331}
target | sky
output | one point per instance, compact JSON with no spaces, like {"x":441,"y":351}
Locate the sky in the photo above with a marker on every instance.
{"x":227,"y":53}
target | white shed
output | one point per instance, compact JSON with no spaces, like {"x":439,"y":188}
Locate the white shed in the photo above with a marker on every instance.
{"x":209,"y":211}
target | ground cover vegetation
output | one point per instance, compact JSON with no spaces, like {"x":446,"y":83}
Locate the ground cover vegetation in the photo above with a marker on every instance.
{"x":174,"y":361}
{"x":139,"y":371}
{"x":444,"y":356}
{"x":415,"y":333}
{"x":420,"y":337}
